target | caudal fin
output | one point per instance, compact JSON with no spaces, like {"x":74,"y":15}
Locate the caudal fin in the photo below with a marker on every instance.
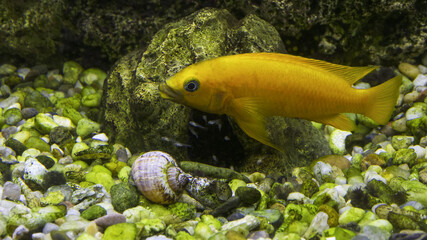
{"x":384,"y":98}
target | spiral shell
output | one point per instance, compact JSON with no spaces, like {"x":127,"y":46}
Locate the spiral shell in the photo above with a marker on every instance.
{"x":158,"y":177}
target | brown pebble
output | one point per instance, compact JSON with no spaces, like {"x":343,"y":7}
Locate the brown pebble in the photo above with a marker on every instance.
{"x":335,"y":160}
{"x":372,"y":159}
{"x":409,"y":70}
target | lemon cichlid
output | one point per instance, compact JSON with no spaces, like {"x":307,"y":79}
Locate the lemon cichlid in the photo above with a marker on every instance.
{"x":251,"y":87}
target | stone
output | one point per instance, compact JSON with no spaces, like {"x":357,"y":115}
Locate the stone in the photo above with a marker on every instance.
{"x":93,"y":76}
{"x":71,"y":70}
{"x":44,"y":123}
{"x":12,"y":116}
{"x":409,"y":70}
{"x":36,"y":100}
{"x":274,"y":216}
{"x":11,"y":191}
{"x":86,"y":126}
{"x":110,"y":219}
{"x":337,"y":141}
{"x":124,"y":196}
{"x":29,"y":112}
{"x":93,"y":212}
{"x":400,"y":141}
{"x":351,"y":215}
{"x":248,"y":195}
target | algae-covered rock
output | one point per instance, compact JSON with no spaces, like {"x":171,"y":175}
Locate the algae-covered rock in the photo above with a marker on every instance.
{"x":36,"y":100}
{"x":137,"y":117}
{"x":93,"y":212}
{"x":121,"y":231}
{"x":12,"y":116}
{"x":86,"y":126}
{"x":123,"y":196}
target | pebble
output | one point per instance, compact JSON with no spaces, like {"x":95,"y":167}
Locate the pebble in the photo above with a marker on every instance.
{"x":110,"y":219}
{"x":409,"y":70}
{"x":11,"y":191}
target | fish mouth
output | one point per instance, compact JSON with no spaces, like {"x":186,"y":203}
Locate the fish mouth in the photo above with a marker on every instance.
{"x":169,"y":93}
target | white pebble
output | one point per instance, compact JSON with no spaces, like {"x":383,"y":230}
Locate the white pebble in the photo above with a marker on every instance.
{"x":423,"y":69}
{"x":64,"y":122}
{"x":101,"y":137}
{"x":411,"y":97}
{"x":371,"y":175}
{"x":420,"y":81}
{"x":420,"y":151}
{"x":414,"y":112}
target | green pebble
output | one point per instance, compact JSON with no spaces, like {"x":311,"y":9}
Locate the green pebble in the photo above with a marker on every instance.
{"x":351,"y":215}
{"x":400,"y":221}
{"x":183,"y":210}
{"x":236,"y":183}
{"x":72,"y":114}
{"x":382,"y":224}
{"x":16,"y":145}
{"x":401,"y":142}
{"x":6,"y":69}
{"x":86,"y":126}
{"x":12,"y":116}
{"x":44,"y":123}
{"x":248,"y":195}
{"x":86,"y":236}
{"x":121,"y":231}
{"x":44,"y":82}
{"x":274,"y":216}
{"x":211,"y":221}
{"x":12,"y":80}
{"x":124,"y":173}
{"x":71,"y":70}
{"x":407,"y":156}
{"x":100,"y":178}
{"x":77,"y":148}
{"x":124,"y":196}
{"x":73,"y":102}
{"x":149,"y":227}
{"x":99,"y":168}
{"x":36,"y":100}
{"x":92,"y":100}
{"x":93,"y":76}
{"x":88,"y":90}
{"x":37,"y":143}
{"x":22,"y":136}
{"x":338,"y":233}
{"x":183,"y":235}
{"x":367,"y":218}
{"x":52,"y":198}
{"x":309,"y":187}
{"x":202,"y":231}
{"x":93,"y":212}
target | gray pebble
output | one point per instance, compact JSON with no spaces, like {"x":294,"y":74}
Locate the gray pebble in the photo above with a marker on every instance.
{"x":7,"y":132}
{"x":4,"y":91}
{"x":11,"y":191}
{"x":5,"y":103}
{"x":227,"y":206}
{"x":20,"y":232}
{"x":29,"y":113}
{"x":258,"y":235}
{"x":110,"y":219}
{"x":48,"y":227}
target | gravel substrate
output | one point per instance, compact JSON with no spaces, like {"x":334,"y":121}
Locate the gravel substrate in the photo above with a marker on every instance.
{"x":62,"y":179}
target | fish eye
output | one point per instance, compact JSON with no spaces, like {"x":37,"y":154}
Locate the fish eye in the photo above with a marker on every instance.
{"x":191,"y":85}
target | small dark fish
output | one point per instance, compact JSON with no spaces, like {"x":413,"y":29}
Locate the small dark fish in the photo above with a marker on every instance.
{"x":194,"y":124}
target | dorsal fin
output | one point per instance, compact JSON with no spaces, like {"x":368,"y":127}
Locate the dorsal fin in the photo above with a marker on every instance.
{"x":349,"y":74}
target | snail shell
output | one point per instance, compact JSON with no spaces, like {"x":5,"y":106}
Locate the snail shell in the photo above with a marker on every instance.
{"x":158,"y":177}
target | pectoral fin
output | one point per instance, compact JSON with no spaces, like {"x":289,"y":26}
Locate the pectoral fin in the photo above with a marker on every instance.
{"x":251,"y":119}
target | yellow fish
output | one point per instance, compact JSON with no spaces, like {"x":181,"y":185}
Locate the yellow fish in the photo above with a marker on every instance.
{"x":251,"y":87}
